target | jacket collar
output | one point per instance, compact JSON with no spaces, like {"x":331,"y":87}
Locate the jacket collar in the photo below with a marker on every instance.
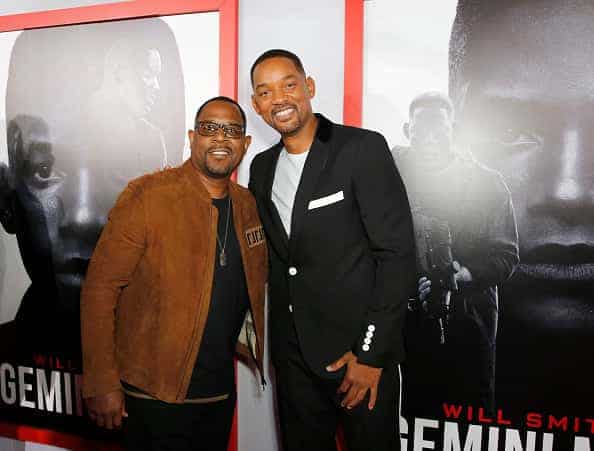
{"x":314,"y":166}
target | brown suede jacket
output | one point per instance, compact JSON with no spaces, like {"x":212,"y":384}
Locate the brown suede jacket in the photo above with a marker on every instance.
{"x":147,"y":292}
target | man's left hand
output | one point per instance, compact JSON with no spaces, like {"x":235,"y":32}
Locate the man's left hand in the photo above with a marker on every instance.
{"x":461,"y":273}
{"x":358,"y":379}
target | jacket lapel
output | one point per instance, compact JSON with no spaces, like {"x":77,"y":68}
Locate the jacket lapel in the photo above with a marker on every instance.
{"x":314,"y":165}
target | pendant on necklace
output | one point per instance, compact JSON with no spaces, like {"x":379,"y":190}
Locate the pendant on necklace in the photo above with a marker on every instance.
{"x":223,"y":258}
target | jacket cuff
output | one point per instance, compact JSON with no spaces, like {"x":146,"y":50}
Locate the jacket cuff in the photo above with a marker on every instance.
{"x":381,"y":342}
{"x":370,"y":347}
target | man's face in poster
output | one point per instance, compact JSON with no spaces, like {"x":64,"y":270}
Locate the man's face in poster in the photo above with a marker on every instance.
{"x":74,"y":140}
{"x":60,"y":203}
{"x":430,"y":133}
{"x":523,"y":80}
{"x":138,"y":81}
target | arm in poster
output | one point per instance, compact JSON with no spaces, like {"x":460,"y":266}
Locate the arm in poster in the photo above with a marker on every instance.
{"x":497,"y":252}
{"x":115,"y":258}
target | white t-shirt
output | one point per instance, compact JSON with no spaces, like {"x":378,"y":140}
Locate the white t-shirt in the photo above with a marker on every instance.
{"x":286,"y":181}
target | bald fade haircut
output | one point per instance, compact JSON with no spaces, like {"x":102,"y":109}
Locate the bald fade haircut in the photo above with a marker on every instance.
{"x":277,"y":53}
{"x":432,"y":99}
{"x":222,"y":99}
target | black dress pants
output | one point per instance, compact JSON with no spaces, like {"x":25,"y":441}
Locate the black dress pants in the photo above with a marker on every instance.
{"x":309,"y":410}
{"x":158,"y":426}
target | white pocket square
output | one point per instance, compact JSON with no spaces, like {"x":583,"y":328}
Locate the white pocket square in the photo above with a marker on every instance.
{"x":326,"y":200}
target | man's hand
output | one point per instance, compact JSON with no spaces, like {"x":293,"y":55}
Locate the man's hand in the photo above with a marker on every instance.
{"x":358,"y":379}
{"x":107,"y":410}
{"x":461,"y":274}
{"x":424,"y":288}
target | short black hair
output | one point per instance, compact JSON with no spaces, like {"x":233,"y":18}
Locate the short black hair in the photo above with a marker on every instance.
{"x":470,"y":15}
{"x":277,"y":53}
{"x":429,"y":99}
{"x":222,"y":99}
{"x":468,"y":29}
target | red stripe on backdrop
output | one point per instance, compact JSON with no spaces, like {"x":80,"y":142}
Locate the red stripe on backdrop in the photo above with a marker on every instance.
{"x":352,"y":113}
{"x":234,"y":435}
{"x":112,"y":11}
{"x":54,"y":438}
{"x":228,"y":47}
{"x":228,"y":65}
{"x":353,"y":63}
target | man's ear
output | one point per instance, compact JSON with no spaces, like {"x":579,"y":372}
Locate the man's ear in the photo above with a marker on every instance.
{"x":191,"y":136}
{"x":255,"y":105}
{"x":311,"y":87}
{"x":246,"y":143}
{"x":406,"y":130}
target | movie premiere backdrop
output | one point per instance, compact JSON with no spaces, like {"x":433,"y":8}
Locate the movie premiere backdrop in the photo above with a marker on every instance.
{"x":507,"y":364}
{"x":504,"y":364}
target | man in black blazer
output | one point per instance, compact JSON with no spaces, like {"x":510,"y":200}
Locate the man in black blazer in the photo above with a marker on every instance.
{"x":342,"y":266}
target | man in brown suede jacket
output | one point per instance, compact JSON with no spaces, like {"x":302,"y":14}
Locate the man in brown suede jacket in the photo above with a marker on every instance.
{"x":179,"y":267}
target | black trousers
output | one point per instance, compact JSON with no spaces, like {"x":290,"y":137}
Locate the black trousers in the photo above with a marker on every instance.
{"x":158,"y":426}
{"x":309,"y":410}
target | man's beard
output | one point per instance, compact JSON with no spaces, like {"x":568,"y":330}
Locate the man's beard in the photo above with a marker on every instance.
{"x":286,"y":128}
{"x":218,"y":173}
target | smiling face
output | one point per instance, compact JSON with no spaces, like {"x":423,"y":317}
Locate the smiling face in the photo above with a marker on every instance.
{"x":528,"y":113}
{"x":218,"y":155}
{"x":282,"y":95}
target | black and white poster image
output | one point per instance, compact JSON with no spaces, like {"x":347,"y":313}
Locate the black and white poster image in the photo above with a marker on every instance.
{"x":87,"y":108}
{"x":491,"y":131}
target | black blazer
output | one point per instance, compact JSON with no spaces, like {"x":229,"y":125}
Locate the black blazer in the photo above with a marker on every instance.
{"x":347,"y":270}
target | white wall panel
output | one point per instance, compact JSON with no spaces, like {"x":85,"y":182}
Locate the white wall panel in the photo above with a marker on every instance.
{"x":314,"y":30}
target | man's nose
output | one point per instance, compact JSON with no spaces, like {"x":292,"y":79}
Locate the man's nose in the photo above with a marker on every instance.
{"x":568,"y":184}
{"x":572,"y":183}
{"x":220,"y":135}
{"x":80,"y":216}
{"x":278,"y":96}
{"x":431,"y":138}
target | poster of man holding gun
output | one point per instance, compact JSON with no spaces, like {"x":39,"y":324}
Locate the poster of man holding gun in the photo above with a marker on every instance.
{"x":467,"y":245}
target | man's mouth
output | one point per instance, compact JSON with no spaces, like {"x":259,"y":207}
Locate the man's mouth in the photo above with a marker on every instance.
{"x":72,"y":271}
{"x":575,"y":254}
{"x":220,"y":152}
{"x":283,"y":113}
{"x":559,"y":263}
